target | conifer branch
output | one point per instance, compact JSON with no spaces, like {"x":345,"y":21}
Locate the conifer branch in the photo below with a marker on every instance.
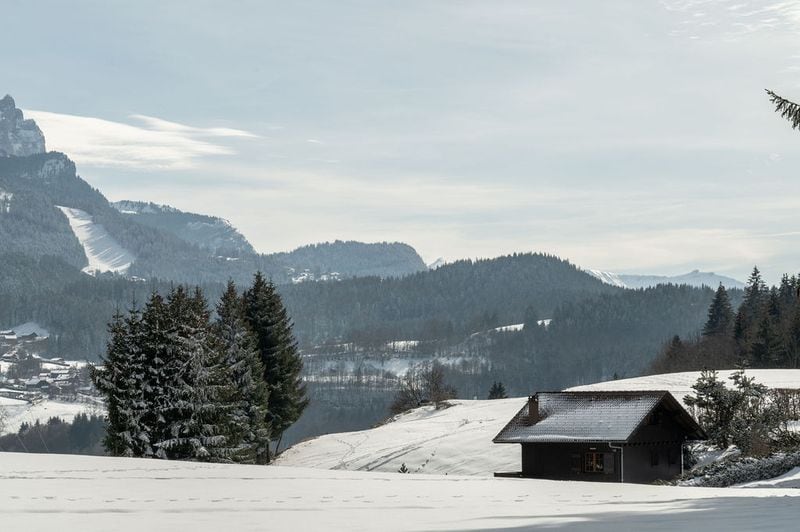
{"x":787,"y":109}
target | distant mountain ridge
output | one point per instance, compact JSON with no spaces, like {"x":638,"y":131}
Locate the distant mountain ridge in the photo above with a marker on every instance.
{"x":207,"y":232}
{"x":47,"y":209}
{"x":693,"y":278}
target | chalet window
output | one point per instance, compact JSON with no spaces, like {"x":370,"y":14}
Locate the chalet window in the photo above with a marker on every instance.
{"x":598,"y":463}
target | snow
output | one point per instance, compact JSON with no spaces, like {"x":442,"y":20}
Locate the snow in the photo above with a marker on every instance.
{"x":510,"y":328}
{"x":18,"y":412}
{"x":787,"y":480}
{"x":103,"y":252}
{"x":693,"y":278}
{"x":38,"y":492}
{"x":680,"y":384}
{"x":458,"y":440}
{"x":5,"y":201}
{"x":455,"y":440}
{"x":516,"y":327}
{"x":29,"y":327}
{"x":402,"y":345}
{"x":607,"y":277}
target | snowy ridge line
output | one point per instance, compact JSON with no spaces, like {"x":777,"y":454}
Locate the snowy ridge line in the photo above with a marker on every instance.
{"x":103,"y":252}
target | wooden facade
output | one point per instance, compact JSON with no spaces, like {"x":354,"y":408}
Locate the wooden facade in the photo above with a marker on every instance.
{"x":592,"y":437}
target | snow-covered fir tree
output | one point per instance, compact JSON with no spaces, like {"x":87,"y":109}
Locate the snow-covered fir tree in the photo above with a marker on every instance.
{"x":246,"y":394}
{"x":120,"y":380}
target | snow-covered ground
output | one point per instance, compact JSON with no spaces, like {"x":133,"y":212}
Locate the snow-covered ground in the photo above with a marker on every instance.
{"x":458,"y":440}
{"x":787,"y":480}
{"x":40,"y":492}
{"x":17,"y":412}
{"x":104,"y":253}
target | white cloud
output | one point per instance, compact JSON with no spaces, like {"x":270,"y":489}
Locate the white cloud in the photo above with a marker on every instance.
{"x":155,"y":144}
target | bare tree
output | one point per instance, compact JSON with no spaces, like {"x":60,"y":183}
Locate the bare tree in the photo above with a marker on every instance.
{"x":423,"y":383}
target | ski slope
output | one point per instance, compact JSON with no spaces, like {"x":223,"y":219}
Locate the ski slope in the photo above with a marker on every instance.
{"x":458,"y":440}
{"x":103,"y":252}
{"x":40,"y":492}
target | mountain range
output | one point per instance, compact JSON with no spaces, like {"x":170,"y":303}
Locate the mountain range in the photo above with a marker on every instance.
{"x":48,"y":209}
{"x":71,"y":259}
{"x":693,"y":278}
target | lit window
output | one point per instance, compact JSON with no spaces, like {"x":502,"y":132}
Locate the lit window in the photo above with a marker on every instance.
{"x":594,"y":463}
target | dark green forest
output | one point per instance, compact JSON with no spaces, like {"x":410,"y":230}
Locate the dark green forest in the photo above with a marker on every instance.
{"x":760,"y":329}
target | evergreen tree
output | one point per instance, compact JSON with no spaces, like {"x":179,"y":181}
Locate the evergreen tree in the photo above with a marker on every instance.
{"x":767,"y":349}
{"x":153,"y":343}
{"x":119,"y":381}
{"x":248,"y":431}
{"x":191,"y":407}
{"x":720,"y":314}
{"x":270,"y":323}
{"x":497,"y":391}
{"x":752,"y":305}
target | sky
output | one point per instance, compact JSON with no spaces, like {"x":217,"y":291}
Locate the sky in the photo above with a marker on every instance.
{"x":632,"y":136}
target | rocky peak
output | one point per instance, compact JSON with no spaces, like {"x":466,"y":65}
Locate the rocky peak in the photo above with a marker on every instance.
{"x":18,"y":137}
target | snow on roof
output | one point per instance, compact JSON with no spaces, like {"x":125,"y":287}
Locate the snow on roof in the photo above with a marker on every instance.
{"x":583,"y":416}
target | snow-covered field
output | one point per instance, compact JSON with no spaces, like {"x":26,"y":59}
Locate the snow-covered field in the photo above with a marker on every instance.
{"x":40,"y":492}
{"x":104,"y":253}
{"x":458,"y":440}
{"x":17,"y":412}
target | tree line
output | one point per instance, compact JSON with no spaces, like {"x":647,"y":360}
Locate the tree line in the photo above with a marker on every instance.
{"x":179,"y":385}
{"x":764,"y":331}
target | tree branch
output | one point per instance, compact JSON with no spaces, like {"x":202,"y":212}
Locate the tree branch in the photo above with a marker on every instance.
{"x":787,"y":109}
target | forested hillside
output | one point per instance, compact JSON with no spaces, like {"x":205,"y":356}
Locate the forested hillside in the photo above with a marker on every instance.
{"x":446,"y":303}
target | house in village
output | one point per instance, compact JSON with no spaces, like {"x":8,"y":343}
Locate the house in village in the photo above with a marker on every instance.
{"x":601,"y":436}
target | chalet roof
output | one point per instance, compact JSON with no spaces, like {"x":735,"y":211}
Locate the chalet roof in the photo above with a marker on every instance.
{"x":592,"y":416}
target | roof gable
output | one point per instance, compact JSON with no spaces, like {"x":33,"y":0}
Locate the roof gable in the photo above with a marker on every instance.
{"x":590,"y":416}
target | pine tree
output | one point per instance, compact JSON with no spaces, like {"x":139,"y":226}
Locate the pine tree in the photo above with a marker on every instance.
{"x":497,"y":391}
{"x":152,"y":341}
{"x":194,"y":416}
{"x":270,"y":323}
{"x":787,"y":109}
{"x":720,"y":314}
{"x":767,"y":349}
{"x":118,"y":381}
{"x":747,"y":317}
{"x":248,"y":431}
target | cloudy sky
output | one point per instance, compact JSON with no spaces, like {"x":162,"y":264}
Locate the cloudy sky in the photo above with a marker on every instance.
{"x":632,"y":136}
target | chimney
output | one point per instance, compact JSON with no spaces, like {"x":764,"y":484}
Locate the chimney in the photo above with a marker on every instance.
{"x":533,"y":409}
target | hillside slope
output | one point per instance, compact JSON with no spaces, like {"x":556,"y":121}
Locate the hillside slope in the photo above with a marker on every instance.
{"x":207,"y":232}
{"x":458,"y":440}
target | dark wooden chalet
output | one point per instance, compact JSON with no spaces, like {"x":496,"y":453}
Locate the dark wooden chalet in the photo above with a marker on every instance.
{"x":601,"y":436}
